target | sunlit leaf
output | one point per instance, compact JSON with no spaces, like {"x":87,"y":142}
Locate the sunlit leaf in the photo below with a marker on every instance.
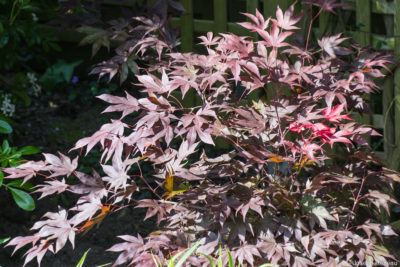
{"x":96,"y":221}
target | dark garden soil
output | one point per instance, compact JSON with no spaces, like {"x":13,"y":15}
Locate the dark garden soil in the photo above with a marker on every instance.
{"x":55,"y":124}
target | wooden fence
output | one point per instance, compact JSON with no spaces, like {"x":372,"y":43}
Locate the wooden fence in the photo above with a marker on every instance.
{"x":366,"y":16}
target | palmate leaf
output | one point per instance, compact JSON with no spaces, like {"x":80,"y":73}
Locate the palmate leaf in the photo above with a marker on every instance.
{"x":274,"y":195}
{"x":169,"y":181}
{"x":126,"y":105}
{"x":96,"y":221}
{"x":327,"y":5}
{"x":51,"y":187}
{"x":169,"y":185}
{"x":288,"y":20}
{"x":153,"y":208}
{"x":61,"y":165}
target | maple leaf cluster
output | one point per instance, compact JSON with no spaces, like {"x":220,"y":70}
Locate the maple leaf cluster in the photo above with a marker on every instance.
{"x":291,"y":185}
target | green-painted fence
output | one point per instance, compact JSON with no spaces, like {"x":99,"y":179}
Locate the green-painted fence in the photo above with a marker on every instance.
{"x":363,"y":14}
{"x":376,"y":23}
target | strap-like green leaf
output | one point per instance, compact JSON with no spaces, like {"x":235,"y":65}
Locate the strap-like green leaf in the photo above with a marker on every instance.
{"x":28,"y":150}
{"x":82,"y":260}
{"x":187,"y":254}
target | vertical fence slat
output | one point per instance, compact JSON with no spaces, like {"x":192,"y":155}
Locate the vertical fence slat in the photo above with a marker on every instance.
{"x":363,"y":37}
{"x":396,"y":153}
{"x":271,"y":5}
{"x":220,"y":25}
{"x":323,"y":23}
{"x":251,"y":6}
{"x":305,"y":18}
{"x":388,"y":127}
{"x":220,"y":16}
{"x":187,"y":26}
{"x":363,"y":16}
{"x":187,"y":33}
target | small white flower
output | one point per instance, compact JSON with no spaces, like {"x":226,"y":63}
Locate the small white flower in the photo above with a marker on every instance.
{"x":36,"y":89}
{"x":31,"y":77}
{"x":7,"y":107}
{"x":32,"y":84}
{"x":34,"y":17}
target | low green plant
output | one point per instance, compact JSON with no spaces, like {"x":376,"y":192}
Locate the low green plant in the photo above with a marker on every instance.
{"x":5,"y":127}
{"x":21,"y":38}
{"x":188,"y":252}
{"x":23,"y":47}
{"x":59,"y":73}
{"x":4,"y":240}
{"x":11,"y":157}
{"x":220,"y":261}
{"x":82,"y":260}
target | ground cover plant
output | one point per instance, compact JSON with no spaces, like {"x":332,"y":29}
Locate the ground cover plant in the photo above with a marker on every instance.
{"x":296,"y":186}
{"x":12,"y":156}
{"x":23,"y":45}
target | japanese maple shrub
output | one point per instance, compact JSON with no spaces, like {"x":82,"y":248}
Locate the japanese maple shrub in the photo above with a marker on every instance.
{"x":280,"y":194}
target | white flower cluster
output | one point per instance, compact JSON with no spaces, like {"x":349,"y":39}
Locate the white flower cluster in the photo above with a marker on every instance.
{"x":7,"y":107}
{"x":34,"y":86}
{"x":34,"y":17}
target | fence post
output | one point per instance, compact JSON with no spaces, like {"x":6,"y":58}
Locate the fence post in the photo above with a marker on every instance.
{"x":363,"y":37}
{"x":323,"y":23}
{"x":388,"y":127}
{"x":187,"y":26}
{"x":396,"y":98}
{"x":251,"y":6}
{"x":187,"y":32}
{"x":271,"y":5}
{"x":220,"y":16}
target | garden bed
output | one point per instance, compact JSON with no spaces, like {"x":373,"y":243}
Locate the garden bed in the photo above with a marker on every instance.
{"x":54,"y":124}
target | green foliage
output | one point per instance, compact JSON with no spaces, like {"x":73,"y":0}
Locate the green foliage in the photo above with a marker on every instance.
{"x":5,"y":128}
{"x":82,"y":260}
{"x":21,"y":39}
{"x":4,"y":240}
{"x":188,"y":252}
{"x":59,"y":73}
{"x":22,"y":198}
{"x":11,"y":157}
{"x":23,"y":45}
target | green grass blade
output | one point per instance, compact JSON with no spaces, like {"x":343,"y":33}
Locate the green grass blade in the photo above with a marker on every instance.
{"x":230,"y":261}
{"x":156,"y":263}
{"x":4,"y":240}
{"x":172,"y":259}
{"x":220,"y":257}
{"x":208,"y":258}
{"x":187,"y":254}
{"x":80,"y":263}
